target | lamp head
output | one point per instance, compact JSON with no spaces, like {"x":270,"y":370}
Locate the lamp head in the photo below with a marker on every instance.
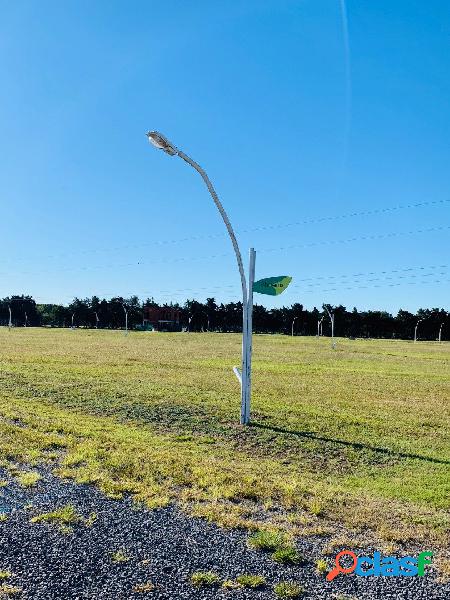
{"x":162,"y":143}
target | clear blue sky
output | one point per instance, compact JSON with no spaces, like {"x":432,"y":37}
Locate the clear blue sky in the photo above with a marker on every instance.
{"x":258,"y":93}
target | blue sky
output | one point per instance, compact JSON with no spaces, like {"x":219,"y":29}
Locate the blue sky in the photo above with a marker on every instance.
{"x":291,"y":128}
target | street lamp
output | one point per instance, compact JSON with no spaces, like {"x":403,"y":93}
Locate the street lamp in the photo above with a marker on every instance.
{"x":440,"y":332}
{"x":26,"y":319}
{"x":162,"y":143}
{"x":96,"y":319}
{"x":73,"y":315}
{"x":292,"y":328}
{"x":415,"y":329}
{"x":10,"y":317}
{"x":126,"y":319}
{"x":331,"y":315}
{"x":319,"y":327}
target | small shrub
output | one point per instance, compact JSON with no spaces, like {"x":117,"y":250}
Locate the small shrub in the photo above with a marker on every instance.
{"x":250,"y":581}
{"x":9,"y":590}
{"x":91,"y":519}
{"x":316,"y":508}
{"x":229,"y":584}
{"x":264,"y":539}
{"x":321,"y":566}
{"x":141,"y":588}
{"x":287,"y":556}
{"x":204,"y":579}
{"x":67,"y":515}
{"x":119,"y":556}
{"x":28,"y":479}
{"x":288,"y":589}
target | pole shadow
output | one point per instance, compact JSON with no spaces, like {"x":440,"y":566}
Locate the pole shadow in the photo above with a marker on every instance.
{"x":357,"y":445}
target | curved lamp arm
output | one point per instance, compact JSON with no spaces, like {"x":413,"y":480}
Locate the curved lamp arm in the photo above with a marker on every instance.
{"x":223,"y":214}
{"x":162,"y":143}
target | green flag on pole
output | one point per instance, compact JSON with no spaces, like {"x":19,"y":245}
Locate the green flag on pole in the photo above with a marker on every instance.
{"x":273,"y":286}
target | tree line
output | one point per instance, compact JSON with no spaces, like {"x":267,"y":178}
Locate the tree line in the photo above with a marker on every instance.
{"x":211,"y":316}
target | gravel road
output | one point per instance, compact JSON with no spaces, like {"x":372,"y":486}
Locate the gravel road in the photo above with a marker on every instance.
{"x":163,"y":547}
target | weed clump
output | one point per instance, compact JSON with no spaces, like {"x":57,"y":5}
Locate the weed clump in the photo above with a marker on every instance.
{"x":321,"y":566}
{"x":28,"y":479}
{"x":288,"y":589}
{"x":265,"y":539}
{"x":141,"y":588}
{"x":67,"y":515}
{"x":120,"y":556}
{"x":287,"y":556}
{"x":250,"y":581}
{"x":204,"y":579}
{"x":9,"y":590}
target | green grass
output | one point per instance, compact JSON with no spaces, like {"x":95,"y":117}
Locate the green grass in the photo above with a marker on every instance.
{"x":28,"y":479}
{"x":67,"y":515}
{"x":6,"y":590}
{"x":204,"y":579}
{"x":357,"y":437}
{"x":251,"y":581}
{"x":288,"y":589}
{"x":321,"y":566}
{"x":269,"y":540}
{"x":120,"y":556}
{"x":287,"y":556}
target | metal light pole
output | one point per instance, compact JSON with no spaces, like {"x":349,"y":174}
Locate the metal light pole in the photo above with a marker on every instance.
{"x":415,"y":330}
{"x":292,"y":327}
{"x":162,"y":143}
{"x":440,"y":332}
{"x":73,"y":315}
{"x":126,"y":319}
{"x":96,"y":320}
{"x":10,"y":317}
{"x":331,"y":315}
{"x":319,"y":327}
{"x":26,"y":319}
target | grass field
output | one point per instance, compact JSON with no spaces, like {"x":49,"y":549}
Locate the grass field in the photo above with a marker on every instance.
{"x":354,"y":439}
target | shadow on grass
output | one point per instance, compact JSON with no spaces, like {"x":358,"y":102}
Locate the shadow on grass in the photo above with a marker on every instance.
{"x":356,"y":445}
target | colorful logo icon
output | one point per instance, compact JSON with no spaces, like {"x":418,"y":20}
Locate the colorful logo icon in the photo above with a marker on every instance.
{"x":387,"y":566}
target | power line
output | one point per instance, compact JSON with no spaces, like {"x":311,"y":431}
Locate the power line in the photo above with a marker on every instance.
{"x":361,"y":238}
{"x":310,"y":221}
{"x":262,"y":250}
{"x":337,"y":289}
{"x":308,"y":291}
{"x":211,"y":288}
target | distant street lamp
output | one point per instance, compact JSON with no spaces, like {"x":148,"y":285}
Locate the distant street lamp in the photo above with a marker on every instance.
{"x":292,"y":327}
{"x":162,"y":143}
{"x":26,"y":319}
{"x":440,"y":332}
{"x":126,"y":319}
{"x":319,"y":327}
{"x":73,"y":315}
{"x":96,"y":320}
{"x":10,"y":317}
{"x":331,"y":315}
{"x":415,"y":329}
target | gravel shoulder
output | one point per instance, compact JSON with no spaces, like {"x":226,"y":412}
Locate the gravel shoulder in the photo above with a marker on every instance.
{"x":162,"y":546}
